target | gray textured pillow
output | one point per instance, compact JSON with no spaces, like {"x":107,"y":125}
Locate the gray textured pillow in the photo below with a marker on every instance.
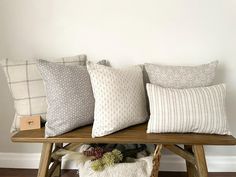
{"x":181,"y":76}
{"x":69,"y":96}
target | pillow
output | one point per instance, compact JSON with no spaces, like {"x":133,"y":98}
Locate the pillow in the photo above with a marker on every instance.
{"x":119,"y":98}
{"x":27,"y":88}
{"x":69,"y":97}
{"x":181,"y":76}
{"x":197,"y":110}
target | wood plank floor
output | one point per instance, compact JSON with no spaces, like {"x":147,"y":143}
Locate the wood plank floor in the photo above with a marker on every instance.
{"x":70,"y":173}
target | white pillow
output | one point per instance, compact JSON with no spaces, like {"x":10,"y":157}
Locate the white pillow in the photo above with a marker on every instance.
{"x":119,"y":98}
{"x":26,"y":86}
{"x":198,"y":110}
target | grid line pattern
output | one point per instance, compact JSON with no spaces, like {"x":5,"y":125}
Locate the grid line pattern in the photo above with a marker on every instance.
{"x":27,"y":88}
{"x":27,"y":82}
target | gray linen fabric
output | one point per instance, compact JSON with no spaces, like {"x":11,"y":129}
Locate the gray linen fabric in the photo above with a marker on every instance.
{"x":69,"y":96}
{"x":181,"y":76}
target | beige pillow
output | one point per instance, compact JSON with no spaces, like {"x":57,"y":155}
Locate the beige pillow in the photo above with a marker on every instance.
{"x":26,"y":86}
{"x":119,"y":98}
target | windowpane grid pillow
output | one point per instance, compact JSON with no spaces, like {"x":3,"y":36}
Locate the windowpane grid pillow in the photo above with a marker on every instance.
{"x":198,"y":110}
{"x":27,"y":87}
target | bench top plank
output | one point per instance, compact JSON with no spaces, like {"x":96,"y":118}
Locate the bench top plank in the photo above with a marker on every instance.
{"x":134,"y":134}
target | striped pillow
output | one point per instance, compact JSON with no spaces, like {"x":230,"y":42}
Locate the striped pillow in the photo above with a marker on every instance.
{"x":197,"y":110}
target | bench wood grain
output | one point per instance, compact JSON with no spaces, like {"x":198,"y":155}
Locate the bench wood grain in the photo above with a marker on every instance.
{"x":135,"y":134}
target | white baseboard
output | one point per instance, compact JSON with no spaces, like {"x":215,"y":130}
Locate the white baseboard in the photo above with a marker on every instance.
{"x":168,"y":162}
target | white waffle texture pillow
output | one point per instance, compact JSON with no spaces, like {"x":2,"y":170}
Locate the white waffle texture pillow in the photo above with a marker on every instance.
{"x":181,"y":76}
{"x":119,"y":98}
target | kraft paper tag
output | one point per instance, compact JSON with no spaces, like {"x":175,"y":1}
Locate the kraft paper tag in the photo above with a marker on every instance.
{"x":30,"y":122}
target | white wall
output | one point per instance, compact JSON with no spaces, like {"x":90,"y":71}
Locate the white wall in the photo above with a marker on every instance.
{"x":125,"y":32}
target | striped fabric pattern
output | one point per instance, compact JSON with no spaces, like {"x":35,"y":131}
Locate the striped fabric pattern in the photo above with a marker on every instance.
{"x":26,"y":86}
{"x":196,"y":110}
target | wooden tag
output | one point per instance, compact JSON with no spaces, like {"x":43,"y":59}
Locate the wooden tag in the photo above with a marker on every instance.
{"x":30,"y":122}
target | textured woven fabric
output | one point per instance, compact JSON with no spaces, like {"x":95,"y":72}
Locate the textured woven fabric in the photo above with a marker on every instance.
{"x":140,"y":168}
{"x":69,"y":96}
{"x":198,"y":110}
{"x":181,"y":76}
{"x":119,"y":98}
{"x":27,"y":87}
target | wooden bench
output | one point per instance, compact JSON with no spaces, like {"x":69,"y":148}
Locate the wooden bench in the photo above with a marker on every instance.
{"x":193,"y":151}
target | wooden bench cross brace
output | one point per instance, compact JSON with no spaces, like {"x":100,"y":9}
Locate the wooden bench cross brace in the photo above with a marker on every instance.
{"x":193,"y":151}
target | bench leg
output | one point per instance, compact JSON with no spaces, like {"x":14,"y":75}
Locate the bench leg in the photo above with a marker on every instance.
{"x":156,"y":160}
{"x":55,"y":169}
{"x":45,"y":160}
{"x":191,"y":170}
{"x":201,"y":165}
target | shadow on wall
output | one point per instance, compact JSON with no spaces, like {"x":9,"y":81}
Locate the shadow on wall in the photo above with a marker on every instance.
{"x":6,"y":105}
{"x":220,"y":74}
{"x":6,"y":117}
{"x":221,"y":77}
